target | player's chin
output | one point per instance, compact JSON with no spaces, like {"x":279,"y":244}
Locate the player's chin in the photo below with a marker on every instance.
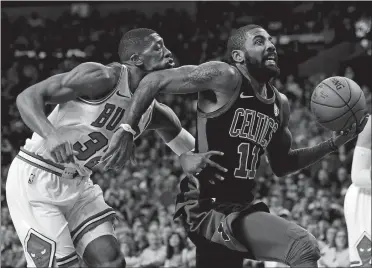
{"x":272,"y":69}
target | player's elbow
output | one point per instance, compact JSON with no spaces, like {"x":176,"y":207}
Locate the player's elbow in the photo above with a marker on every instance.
{"x":22,"y":99}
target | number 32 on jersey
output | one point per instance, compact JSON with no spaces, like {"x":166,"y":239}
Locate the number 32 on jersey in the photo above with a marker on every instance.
{"x":247,"y":162}
{"x":97,"y":139}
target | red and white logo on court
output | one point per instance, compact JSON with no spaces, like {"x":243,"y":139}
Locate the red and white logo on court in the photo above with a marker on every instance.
{"x":40,"y":248}
{"x":363,"y":247}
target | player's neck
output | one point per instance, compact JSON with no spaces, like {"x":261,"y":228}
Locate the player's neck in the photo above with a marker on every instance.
{"x":259,"y":87}
{"x":135,"y":76}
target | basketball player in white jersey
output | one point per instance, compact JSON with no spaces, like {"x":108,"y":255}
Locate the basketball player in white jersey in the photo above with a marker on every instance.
{"x":357,"y":205}
{"x":57,"y":211}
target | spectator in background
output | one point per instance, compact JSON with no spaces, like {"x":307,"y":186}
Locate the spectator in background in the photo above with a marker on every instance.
{"x":337,"y":256}
{"x":189,"y":255}
{"x":154,"y":255}
{"x":174,"y":247}
{"x":128,"y":251}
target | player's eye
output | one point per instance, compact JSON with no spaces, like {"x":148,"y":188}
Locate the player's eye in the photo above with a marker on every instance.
{"x":361,"y":250}
{"x":43,"y":252}
{"x":258,"y":42}
{"x":369,"y":250}
{"x":33,"y":255}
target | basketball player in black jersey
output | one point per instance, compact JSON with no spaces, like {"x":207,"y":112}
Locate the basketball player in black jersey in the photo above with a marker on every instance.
{"x":242,"y":115}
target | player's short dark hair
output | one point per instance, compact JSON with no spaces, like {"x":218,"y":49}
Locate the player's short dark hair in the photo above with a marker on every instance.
{"x":237,"y":38}
{"x":132,"y":42}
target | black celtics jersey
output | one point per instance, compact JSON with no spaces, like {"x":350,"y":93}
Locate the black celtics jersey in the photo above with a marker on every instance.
{"x":242,"y":129}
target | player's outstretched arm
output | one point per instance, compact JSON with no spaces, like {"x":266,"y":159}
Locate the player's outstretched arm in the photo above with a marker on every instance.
{"x":216,"y":76}
{"x":88,"y":79}
{"x":213,"y":75}
{"x":285,"y":160}
{"x":168,"y":126}
{"x":361,"y":166}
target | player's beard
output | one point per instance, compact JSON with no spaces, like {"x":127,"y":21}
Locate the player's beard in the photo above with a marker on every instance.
{"x":261,"y":72}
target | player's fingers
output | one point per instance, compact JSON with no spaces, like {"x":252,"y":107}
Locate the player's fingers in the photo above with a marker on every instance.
{"x":69,"y":152}
{"x":124,"y":156}
{"x":214,"y":164}
{"x":133,"y":155}
{"x":53,"y":155}
{"x":58,"y":156}
{"x":362,"y":123}
{"x":219,"y":177}
{"x":210,"y":153}
{"x":108,"y":153}
{"x":112,"y":161}
{"x":351,"y":130}
{"x":64,"y":154}
{"x":190,"y":176}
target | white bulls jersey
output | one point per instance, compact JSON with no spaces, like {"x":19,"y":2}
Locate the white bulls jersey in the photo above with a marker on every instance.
{"x":89,"y":125}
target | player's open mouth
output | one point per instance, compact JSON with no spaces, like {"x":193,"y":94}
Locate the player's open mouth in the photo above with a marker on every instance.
{"x":171,"y":62}
{"x":270,"y":60}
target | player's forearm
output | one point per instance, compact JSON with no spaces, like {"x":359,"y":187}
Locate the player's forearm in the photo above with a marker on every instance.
{"x":141,"y":100}
{"x":31,"y":108}
{"x":182,"y":143}
{"x":301,"y":158}
{"x":361,"y":167}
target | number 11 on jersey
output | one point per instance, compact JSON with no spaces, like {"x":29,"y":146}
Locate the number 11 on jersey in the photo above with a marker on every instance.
{"x":243,"y":172}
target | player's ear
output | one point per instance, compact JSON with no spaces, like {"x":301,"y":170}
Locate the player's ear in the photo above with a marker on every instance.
{"x":136,"y":59}
{"x":237,"y":56}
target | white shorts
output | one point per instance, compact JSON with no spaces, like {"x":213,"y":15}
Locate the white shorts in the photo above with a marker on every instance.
{"x":357,"y":210}
{"x":54,"y":216}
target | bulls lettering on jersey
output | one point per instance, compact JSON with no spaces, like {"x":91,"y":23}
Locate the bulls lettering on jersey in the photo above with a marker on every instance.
{"x":242,"y":129}
{"x":89,"y":125}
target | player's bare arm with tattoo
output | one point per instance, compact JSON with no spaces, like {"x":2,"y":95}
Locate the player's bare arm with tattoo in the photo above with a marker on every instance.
{"x":214,"y":76}
{"x":284,"y":160}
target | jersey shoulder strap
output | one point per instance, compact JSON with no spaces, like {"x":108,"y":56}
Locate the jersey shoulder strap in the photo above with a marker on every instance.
{"x":283,"y":105}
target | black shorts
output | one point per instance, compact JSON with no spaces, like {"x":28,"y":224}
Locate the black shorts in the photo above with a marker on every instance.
{"x":208,"y":221}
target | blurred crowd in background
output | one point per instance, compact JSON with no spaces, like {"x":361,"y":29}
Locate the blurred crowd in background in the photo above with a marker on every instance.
{"x":34,"y":48}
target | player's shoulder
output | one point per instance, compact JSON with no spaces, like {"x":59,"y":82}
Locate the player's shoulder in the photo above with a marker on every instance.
{"x":225,"y":69}
{"x":103,"y":73}
{"x":226,"y":76}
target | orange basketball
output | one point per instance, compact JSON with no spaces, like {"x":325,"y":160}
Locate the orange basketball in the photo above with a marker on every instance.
{"x":338,"y":102}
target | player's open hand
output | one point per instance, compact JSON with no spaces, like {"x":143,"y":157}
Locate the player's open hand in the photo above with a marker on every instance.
{"x":344,"y":136}
{"x":121,"y":149}
{"x":60,"y":150}
{"x":193,"y":163}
